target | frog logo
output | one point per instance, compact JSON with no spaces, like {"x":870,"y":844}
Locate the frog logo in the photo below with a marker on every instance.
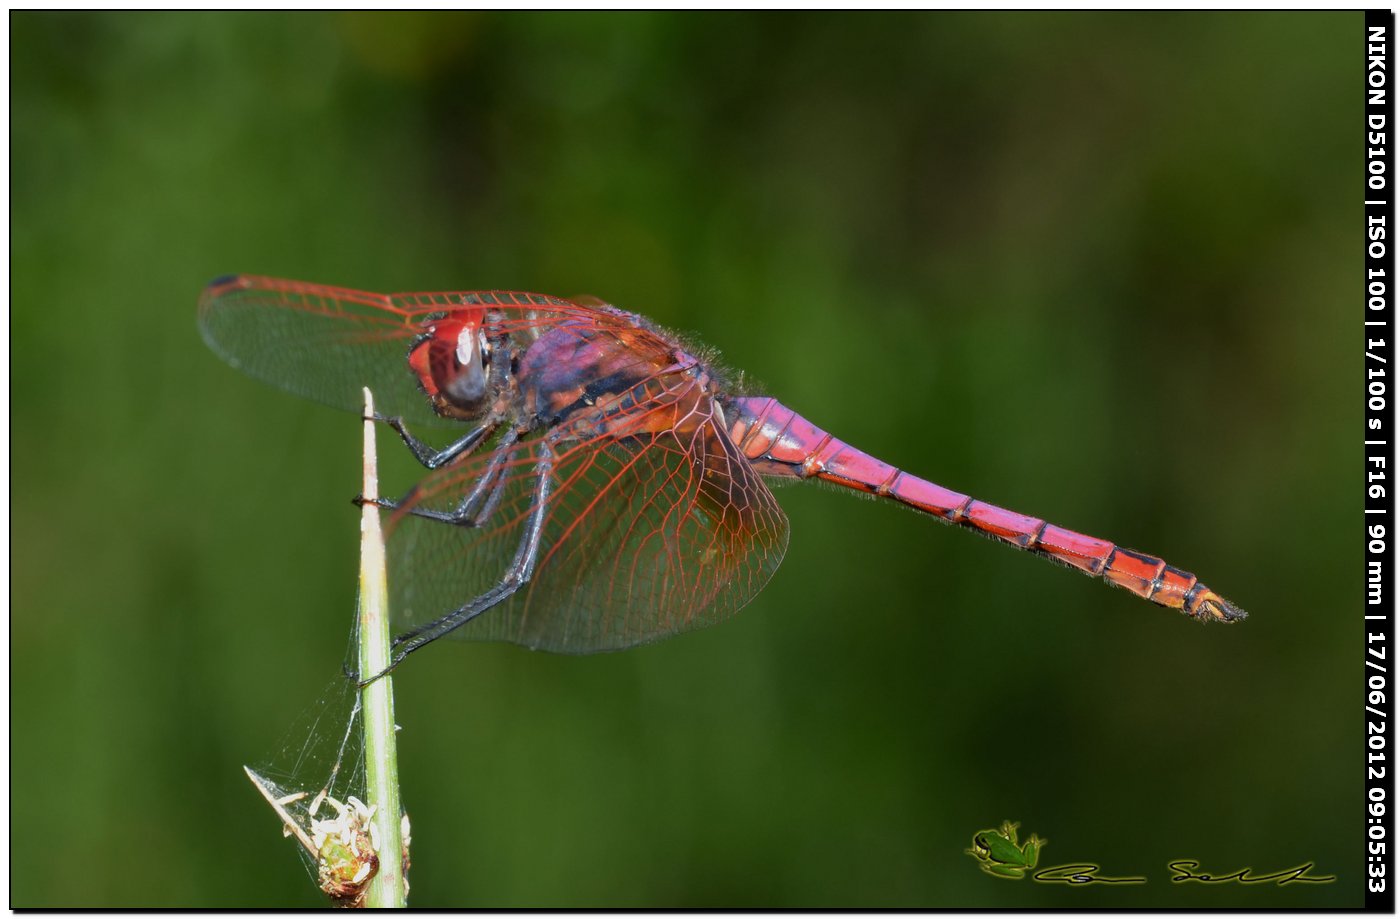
{"x":1000,"y":855}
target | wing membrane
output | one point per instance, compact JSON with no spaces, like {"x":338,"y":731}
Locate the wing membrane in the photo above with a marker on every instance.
{"x":326,"y":343}
{"x":647,"y":534}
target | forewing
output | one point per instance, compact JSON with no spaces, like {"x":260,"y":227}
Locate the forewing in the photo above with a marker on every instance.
{"x":646,"y":534}
{"x":324,"y":343}
{"x":327,"y":343}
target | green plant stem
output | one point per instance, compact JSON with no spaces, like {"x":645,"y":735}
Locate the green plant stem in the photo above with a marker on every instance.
{"x":381,"y":747}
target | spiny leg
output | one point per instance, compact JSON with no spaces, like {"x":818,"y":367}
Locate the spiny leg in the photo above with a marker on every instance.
{"x":470,"y":511}
{"x":515,"y":577}
{"x":430,"y":456}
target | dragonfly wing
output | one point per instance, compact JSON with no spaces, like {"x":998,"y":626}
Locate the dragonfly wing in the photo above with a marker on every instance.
{"x":324,"y":343}
{"x":590,"y":300}
{"x":327,"y":343}
{"x":644,"y":536}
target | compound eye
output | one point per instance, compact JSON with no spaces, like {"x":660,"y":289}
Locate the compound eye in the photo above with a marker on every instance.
{"x":452,"y":360}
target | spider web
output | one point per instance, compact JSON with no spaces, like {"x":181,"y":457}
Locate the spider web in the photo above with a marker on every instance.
{"x":318,"y":763}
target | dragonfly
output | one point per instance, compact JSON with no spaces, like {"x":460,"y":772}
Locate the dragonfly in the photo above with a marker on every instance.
{"x":606,"y":484}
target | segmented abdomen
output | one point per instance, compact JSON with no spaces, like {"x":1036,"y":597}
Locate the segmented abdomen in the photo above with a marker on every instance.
{"x":779,"y":442}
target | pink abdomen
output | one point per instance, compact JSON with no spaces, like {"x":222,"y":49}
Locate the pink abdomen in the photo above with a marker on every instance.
{"x":781,"y":443}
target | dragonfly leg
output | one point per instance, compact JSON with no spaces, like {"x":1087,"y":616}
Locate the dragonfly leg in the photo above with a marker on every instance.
{"x":430,"y":456}
{"x":480,"y":503}
{"x":515,"y":577}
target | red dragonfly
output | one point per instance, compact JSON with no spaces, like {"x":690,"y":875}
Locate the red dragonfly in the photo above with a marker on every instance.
{"x":609,"y":489}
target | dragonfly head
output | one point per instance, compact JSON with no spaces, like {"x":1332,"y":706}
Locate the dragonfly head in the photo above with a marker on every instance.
{"x":452,"y":359}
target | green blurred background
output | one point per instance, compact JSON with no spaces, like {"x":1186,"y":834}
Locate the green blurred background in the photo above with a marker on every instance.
{"x":1101,"y":268}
